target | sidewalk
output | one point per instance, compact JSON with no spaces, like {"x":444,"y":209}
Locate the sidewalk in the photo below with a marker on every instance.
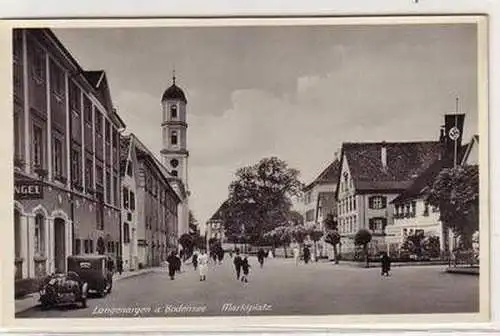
{"x":31,"y":300}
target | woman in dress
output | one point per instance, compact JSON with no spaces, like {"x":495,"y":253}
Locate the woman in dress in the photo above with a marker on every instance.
{"x":203,"y":265}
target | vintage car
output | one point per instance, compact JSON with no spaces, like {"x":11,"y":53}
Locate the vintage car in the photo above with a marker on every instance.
{"x":95,"y":270}
{"x":63,"y":289}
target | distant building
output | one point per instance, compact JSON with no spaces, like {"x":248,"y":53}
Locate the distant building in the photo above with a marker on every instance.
{"x":412,"y":212}
{"x":149,"y":209}
{"x":215,"y":225}
{"x":66,"y":157}
{"x":174,"y":152}
{"x":371,"y":177}
{"x":319,"y":201}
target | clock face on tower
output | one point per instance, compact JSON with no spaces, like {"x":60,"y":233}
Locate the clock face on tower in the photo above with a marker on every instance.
{"x":174,"y":163}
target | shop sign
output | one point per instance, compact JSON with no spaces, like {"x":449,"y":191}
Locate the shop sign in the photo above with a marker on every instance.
{"x":28,"y":190}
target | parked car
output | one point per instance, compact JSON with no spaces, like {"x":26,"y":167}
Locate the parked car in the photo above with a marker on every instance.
{"x":95,"y":270}
{"x":63,"y":289}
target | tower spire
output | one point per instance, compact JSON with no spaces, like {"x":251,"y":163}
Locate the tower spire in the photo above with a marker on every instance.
{"x":173,"y":76}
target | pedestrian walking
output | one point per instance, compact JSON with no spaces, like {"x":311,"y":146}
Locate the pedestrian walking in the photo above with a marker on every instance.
{"x":296,"y":255}
{"x":195,"y":260}
{"x":386,"y":264}
{"x":237,"y":264}
{"x":172,"y":264}
{"x":261,"y":254}
{"x":307,"y":254}
{"x":120,"y":266}
{"x":203,"y":265}
{"x":220,"y":255}
{"x":245,"y":266}
{"x":270,"y":254}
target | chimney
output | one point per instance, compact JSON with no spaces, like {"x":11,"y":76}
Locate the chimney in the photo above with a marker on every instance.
{"x":383,"y":155}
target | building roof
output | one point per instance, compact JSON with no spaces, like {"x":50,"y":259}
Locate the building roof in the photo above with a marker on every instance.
{"x":405,"y":161}
{"x":421,"y":183}
{"x":329,"y":175}
{"x":466,"y":149}
{"x":174,"y":93}
{"x":425,"y":180}
{"x":217,"y":216}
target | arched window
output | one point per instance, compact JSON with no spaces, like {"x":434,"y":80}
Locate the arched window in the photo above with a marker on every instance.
{"x":173,"y":111}
{"x":173,"y":137}
{"x":39,"y":235}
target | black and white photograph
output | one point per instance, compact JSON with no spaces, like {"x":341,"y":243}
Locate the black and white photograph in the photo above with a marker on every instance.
{"x":289,"y":168}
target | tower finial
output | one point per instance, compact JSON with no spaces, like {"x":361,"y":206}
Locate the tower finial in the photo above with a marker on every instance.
{"x":173,"y":76}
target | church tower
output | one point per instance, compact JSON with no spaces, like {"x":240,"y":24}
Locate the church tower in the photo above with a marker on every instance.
{"x":174,"y":133}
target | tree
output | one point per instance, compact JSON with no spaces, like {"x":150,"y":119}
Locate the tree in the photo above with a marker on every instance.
{"x":298,"y":233}
{"x":330,"y":223}
{"x":187,"y":243}
{"x":416,"y":243}
{"x":362,"y":238}
{"x":455,"y":192}
{"x":279,"y":236}
{"x":193,"y":223}
{"x":315,"y":234}
{"x":432,"y":246}
{"x":333,"y":238}
{"x":260,"y":198}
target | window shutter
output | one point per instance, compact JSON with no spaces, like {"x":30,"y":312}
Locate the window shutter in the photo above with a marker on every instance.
{"x":384,"y":201}
{"x":370,"y":203}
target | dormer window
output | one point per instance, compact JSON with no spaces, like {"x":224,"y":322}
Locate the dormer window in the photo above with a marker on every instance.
{"x":173,"y":111}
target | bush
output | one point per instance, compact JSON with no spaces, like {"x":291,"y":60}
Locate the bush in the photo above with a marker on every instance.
{"x":23,"y":287}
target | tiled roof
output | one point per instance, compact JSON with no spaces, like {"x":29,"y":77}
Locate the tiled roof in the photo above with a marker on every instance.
{"x":405,"y":161}
{"x":217,"y":216}
{"x":419,"y":184}
{"x":329,"y":175}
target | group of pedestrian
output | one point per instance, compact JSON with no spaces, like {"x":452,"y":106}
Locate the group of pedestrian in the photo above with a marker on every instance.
{"x":241,"y":264}
{"x":306,"y":253}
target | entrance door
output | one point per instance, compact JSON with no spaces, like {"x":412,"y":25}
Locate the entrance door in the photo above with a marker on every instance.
{"x":60,"y":245}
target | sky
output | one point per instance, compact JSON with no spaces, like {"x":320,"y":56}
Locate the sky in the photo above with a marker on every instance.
{"x":295,"y":92}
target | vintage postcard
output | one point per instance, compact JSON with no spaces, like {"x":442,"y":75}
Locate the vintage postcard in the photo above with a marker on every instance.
{"x":185,"y":172}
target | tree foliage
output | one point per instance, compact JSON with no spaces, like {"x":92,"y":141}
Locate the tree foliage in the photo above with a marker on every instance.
{"x":315,"y":234}
{"x":193,"y":223}
{"x":456,"y":193}
{"x":362,"y":238}
{"x":260,"y":199}
{"x":330,"y":223}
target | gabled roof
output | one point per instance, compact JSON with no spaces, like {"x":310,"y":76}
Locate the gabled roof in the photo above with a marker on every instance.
{"x":217,"y":216}
{"x":466,"y":149}
{"x":405,"y":161}
{"x":421,"y":183}
{"x":99,"y":82}
{"x":329,"y":175}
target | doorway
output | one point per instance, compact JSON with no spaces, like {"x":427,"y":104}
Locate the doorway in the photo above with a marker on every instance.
{"x":60,"y":245}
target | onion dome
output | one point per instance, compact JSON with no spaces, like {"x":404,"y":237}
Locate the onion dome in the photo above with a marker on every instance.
{"x":174,"y":93}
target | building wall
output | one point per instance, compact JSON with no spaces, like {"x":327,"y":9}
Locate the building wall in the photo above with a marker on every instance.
{"x":425,"y":218}
{"x":50,"y":147}
{"x":157,"y":212}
